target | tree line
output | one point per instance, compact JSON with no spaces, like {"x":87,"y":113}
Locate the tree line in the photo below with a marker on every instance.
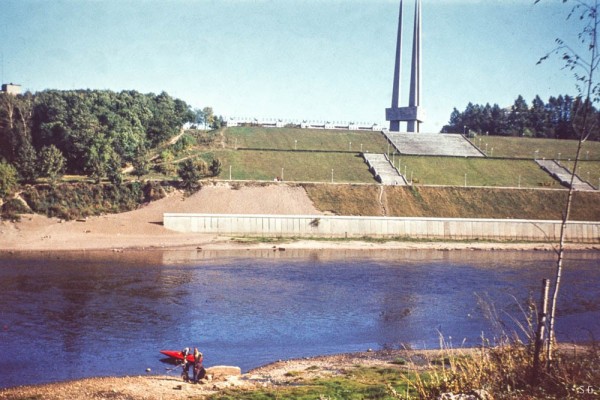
{"x":91,"y":132}
{"x":552,"y":119}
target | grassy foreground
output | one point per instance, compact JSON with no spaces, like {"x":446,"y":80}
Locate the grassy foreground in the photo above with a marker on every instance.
{"x":501,"y":372}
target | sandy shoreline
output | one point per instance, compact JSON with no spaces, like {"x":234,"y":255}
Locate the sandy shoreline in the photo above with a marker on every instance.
{"x":40,"y":234}
{"x":276,"y":374}
{"x":280,"y":374}
{"x":142,"y":228}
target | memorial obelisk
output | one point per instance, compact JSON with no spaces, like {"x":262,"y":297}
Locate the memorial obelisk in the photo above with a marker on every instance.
{"x":413,"y":115}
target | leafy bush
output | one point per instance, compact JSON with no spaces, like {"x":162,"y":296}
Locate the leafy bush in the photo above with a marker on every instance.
{"x":11,"y":209}
{"x":8,"y":178}
{"x":185,"y":141}
{"x":215,"y":167}
{"x":71,"y":201}
{"x":190,"y":171}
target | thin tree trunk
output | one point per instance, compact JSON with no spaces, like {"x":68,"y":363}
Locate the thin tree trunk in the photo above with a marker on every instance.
{"x":563,"y":231}
{"x":541,"y":330}
{"x":583,"y":130}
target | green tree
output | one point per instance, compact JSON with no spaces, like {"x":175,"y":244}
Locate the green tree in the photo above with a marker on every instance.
{"x":8,"y":179}
{"x":113,"y":171}
{"x":141,"y":164}
{"x":52,"y":163}
{"x":215,"y":167}
{"x":518,"y":118}
{"x":499,"y":121}
{"x":27,"y":162}
{"x":208,"y":117}
{"x":198,"y":117}
{"x":166,"y":162}
{"x":98,"y":158}
{"x":218,"y":122}
{"x":455,"y":124}
{"x":191,"y":171}
{"x":14,"y":124}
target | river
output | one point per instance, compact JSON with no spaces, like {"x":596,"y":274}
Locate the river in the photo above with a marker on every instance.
{"x":81,"y":314}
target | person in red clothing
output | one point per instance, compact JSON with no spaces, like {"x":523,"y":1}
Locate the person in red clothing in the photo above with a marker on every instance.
{"x":199,"y":371}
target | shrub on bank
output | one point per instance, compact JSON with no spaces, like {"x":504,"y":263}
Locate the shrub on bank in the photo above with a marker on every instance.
{"x":72,"y":201}
{"x":11,"y":209}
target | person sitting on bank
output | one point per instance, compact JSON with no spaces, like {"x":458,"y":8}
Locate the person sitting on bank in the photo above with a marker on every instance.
{"x":199,"y":371}
{"x":185,"y":364}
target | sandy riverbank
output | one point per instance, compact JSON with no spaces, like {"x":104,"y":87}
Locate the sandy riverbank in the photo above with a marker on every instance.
{"x":278,"y":374}
{"x":142,"y":228}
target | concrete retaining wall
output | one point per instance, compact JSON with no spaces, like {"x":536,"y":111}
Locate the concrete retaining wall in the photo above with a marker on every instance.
{"x":348,"y":226}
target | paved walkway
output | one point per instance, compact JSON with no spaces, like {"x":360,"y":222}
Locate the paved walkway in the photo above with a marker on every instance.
{"x":563,"y":175}
{"x":433,"y":144}
{"x":383,"y":170}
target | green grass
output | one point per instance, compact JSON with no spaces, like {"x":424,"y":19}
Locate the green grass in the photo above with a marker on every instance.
{"x":290,"y":153}
{"x":305,"y":139}
{"x":587,"y":170}
{"x":479,"y":172}
{"x":503,"y":371}
{"x":515,"y":147}
{"x":297,"y":166}
{"x":358,"y":383}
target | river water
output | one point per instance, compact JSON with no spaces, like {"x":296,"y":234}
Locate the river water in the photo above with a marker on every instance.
{"x":73,"y":315}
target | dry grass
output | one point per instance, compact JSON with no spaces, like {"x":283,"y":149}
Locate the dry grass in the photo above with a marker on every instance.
{"x":345,"y":199}
{"x":451,"y":202}
{"x":506,"y":371}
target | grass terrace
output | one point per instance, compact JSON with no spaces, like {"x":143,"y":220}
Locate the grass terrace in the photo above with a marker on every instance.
{"x":450,"y":171}
{"x":310,"y":155}
{"x":305,"y":139}
{"x":292,"y":166}
{"x":516,"y":147}
{"x":587,"y":170}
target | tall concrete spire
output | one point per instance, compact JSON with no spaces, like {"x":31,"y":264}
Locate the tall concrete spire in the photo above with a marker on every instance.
{"x":395,"y":125}
{"x":413,"y":114}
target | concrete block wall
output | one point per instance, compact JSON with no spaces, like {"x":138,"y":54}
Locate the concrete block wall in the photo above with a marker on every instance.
{"x":350,"y":226}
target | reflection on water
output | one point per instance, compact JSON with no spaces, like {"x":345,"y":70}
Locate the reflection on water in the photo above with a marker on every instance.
{"x":89,"y":314}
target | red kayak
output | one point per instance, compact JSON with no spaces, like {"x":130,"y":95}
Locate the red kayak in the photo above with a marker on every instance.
{"x":177,"y":355}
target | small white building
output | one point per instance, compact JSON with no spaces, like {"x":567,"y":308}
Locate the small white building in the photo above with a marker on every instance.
{"x":11,"y":88}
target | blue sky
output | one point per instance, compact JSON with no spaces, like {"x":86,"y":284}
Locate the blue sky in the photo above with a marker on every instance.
{"x":294,"y":59}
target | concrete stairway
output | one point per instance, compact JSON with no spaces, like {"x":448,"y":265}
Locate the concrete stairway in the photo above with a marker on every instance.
{"x":563,"y":175}
{"x":432,"y":144}
{"x":383,"y":170}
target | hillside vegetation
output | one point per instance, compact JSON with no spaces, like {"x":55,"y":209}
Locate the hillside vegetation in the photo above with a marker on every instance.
{"x":451,"y":202}
{"x":490,"y":187}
